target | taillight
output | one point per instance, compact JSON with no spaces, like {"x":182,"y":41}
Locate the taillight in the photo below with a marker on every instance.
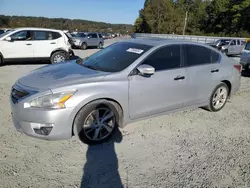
{"x":238,"y":67}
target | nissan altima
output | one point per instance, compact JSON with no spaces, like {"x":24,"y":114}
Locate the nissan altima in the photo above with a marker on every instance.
{"x":125,"y":82}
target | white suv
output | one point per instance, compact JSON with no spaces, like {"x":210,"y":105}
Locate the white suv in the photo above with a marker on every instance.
{"x":34,"y":43}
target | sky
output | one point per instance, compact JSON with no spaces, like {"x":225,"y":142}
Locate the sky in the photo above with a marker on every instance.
{"x":110,"y":11}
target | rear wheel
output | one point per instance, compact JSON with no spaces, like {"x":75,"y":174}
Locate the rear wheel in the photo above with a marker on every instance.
{"x":1,"y":61}
{"x":218,"y":98}
{"x":84,"y":46}
{"x":97,"y":121}
{"x":58,"y":57}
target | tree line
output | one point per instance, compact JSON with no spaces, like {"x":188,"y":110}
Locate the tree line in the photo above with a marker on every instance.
{"x":195,"y":17}
{"x":63,"y":24}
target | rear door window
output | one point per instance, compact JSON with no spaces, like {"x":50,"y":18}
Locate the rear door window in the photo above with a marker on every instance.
{"x":39,"y":35}
{"x":197,"y":55}
{"x":214,"y":56}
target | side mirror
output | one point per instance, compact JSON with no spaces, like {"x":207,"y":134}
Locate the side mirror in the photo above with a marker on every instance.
{"x":88,"y":37}
{"x":8,"y":38}
{"x":146,"y":70}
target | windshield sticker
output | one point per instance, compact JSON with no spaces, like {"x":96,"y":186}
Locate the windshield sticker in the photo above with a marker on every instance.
{"x":134,"y":50}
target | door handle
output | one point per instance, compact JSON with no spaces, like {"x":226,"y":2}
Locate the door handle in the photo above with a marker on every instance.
{"x":28,"y":44}
{"x":214,"y":70}
{"x":52,"y":43}
{"x":179,"y":78}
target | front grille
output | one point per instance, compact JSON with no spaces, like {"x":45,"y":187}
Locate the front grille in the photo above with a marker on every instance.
{"x":16,"y":95}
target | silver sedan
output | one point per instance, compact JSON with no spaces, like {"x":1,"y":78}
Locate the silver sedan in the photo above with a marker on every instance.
{"x":123,"y":83}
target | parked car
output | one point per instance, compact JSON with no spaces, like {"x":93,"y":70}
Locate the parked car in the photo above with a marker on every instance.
{"x":234,"y":47}
{"x":2,"y":31}
{"x":106,"y":36}
{"x":84,"y":40}
{"x":34,"y":43}
{"x":219,"y":43}
{"x":245,"y":58}
{"x":123,"y":83}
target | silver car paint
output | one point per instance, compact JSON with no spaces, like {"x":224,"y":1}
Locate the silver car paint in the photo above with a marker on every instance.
{"x":89,"y":41}
{"x":161,"y":94}
{"x":233,"y":49}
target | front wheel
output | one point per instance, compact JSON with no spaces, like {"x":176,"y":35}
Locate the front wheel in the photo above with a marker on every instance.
{"x":225,"y":52}
{"x":218,"y":98}
{"x":84,"y":46}
{"x":58,"y":57}
{"x":96,"y":122}
{"x":1,"y":61}
{"x":100,"y":46}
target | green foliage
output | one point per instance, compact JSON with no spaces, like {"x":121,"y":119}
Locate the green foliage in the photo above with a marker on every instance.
{"x":61,"y":23}
{"x":205,"y":17}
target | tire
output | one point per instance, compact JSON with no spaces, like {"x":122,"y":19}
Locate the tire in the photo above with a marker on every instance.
{"x":87,"y":116}
{"x":58,"y":57}
{"x":211,"y":106}
{"x":225,"y":52}
{"x":1,"y":61}
{"x":84,"y":46}
{"x":100,"y":46}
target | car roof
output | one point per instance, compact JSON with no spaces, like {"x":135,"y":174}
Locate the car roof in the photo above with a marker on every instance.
{"x":37,"y":28}
{"x":154,"y":41}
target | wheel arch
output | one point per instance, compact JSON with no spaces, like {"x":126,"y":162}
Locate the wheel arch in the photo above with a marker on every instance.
{"x":58,"y":50}
{"x":121,"y":111}
{"x":229,"y":85}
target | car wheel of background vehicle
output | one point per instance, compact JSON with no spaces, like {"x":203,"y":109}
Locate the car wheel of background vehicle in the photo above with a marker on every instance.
{"x":218,"y":98}
{"x":84,"y":46}
{"x":1,"y":61}
{"x":100,"y":46}
{"x":58,"y":57}
{"x":225,"y":52}
{"x":97,"y":121}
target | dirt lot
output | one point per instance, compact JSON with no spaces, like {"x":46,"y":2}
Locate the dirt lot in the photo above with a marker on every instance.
{"x":194,"y":148}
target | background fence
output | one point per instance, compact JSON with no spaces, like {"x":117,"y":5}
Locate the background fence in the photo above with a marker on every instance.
{"x":201,"y":39}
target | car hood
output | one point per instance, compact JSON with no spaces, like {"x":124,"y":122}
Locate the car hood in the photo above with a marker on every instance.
{"x":59,"y":75}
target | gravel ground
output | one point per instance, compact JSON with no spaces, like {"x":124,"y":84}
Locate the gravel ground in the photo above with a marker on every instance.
{"x":194,"y":148}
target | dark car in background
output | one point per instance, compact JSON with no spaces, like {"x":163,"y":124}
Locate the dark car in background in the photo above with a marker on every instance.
{"x":245,"y":58}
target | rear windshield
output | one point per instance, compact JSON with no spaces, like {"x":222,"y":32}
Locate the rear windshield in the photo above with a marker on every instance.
{"x":116,"y":57}
{"x":247,"y":47}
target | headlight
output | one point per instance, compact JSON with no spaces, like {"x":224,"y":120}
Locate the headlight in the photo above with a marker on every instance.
{"x":53,"y":101}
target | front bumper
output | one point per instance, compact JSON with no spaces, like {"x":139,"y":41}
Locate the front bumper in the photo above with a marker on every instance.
{"x":26,"y":120}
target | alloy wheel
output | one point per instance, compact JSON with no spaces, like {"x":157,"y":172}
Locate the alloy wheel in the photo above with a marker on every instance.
{"x":220,"y":97}
{"x":99,"y":124}
{"x":59,"y":58}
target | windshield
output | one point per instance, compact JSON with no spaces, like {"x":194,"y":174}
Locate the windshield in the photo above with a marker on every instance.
{"x":225,"y":42}
{"x":6,"y":33}
{"x":82,"y":35}
{"x":116,"y":57}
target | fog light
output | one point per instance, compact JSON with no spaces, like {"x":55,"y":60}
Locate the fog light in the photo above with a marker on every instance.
{"x":42,"y":129}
